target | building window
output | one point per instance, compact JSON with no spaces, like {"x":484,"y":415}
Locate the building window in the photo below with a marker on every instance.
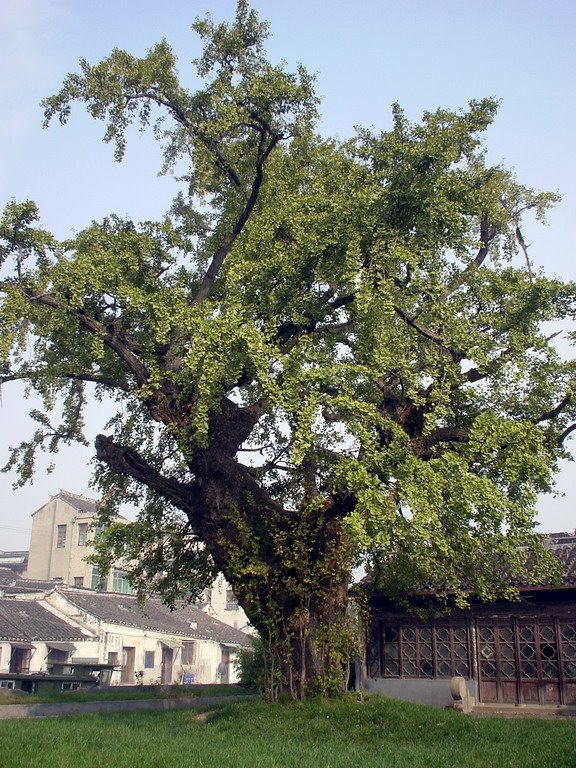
{"x":418,"y":651}
{"x":149,"y":659}
{"x":57,"y":657}
{"x":113,"y":658}
{"x":82,"y":534}
{"x":231,"y":601}
{"x":78,"y":581}
{"x":188,"y":654}
{"x":61,"y":537}
{"x":70,"y":686}
{"x":20,"y":661}
{"x":568,"y":650}
{"x":98,"y":581}
{"x":120,"y":583}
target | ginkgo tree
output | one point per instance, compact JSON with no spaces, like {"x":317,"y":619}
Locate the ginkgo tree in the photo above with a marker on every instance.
{"x":326,"y":354}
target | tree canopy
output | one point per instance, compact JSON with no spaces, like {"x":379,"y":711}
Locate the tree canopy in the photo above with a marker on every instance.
{"x":326,"y":354}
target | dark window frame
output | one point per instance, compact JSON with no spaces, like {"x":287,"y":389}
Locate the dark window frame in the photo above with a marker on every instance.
{"x":61,"y":536}
{"x":83,"y":534}
{"x":188,"y":653}
{"x":413,"y":650}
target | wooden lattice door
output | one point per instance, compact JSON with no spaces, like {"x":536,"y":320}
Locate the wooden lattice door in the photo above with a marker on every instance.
{"x":518,"y":662}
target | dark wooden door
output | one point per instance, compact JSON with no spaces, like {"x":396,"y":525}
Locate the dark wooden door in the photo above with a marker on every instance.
{"x":539,"y":666}
{"x":128,"y":657}
{"x":518,"y":662}
{"x":166,"y":670}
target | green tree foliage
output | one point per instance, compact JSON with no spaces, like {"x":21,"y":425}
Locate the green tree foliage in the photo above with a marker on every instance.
{"x":327,"y":353}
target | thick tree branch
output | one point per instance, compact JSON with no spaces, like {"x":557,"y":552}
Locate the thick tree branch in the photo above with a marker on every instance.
{"x":553,"y":412}
{"x":112,"y":340}
{"x":162,"y":100}
{"x":568,"y":431}
{"x":125,"y":461}
{"x":231,"y":426}
{"x":487,"y":234}
{"x":422,"y":445}
{"x":524,"y":248}
{"x":287,"y":329}
{"x":226,"y":167}
{"x":106,"y":381}
{"x":473,"y":375}
{"x":228,"y":241}
{"x":432,"y":336}
{"x":183,"y":118}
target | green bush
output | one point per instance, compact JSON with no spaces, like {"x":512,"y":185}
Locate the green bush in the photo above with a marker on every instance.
{"x":250,"y":666}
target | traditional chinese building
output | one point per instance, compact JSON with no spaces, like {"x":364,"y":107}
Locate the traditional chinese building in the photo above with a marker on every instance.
{"x":520,"y":653}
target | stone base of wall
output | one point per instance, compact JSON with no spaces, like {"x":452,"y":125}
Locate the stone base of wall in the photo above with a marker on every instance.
{"x":434,"y":693}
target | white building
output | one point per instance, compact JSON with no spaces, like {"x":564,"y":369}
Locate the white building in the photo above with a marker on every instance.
{"x":69,"y":628}
{"x":152,"y":643}
{"x":32,"y":637}
{"x":60,"y":541}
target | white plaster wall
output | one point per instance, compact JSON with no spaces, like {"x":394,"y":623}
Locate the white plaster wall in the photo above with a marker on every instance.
{"x":217,"y":606}
{"x":5,"y":652}
{"x":41,"y":542}
{"x":234,"y":677}
{"x":46,"y":560}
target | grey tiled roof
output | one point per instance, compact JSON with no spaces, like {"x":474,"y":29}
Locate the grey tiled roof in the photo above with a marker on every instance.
{"x":83,"y":504}
{"x":16,"y":561}
{"x":7,"y":576}
{"x":563,"y":547}
{"x":185,"y":621}
{"x":28,"y":621}
{"x":26,"y":586}
{"x":13,"y":557}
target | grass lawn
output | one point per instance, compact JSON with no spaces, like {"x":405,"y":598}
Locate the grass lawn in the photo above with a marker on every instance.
{"x":377,"y":733}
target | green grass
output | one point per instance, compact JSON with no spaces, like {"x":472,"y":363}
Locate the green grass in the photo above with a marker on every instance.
{"x":378,"y":733}
{"x":120,"y":694}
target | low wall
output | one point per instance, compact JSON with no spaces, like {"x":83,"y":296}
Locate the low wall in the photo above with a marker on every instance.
{"x":60,"y":709}
{"x":434,"y":693}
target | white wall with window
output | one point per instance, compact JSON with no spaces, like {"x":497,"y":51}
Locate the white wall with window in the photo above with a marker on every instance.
{"x":222,"y":603}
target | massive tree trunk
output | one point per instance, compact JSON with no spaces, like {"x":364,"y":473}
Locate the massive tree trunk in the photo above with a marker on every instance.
{"x":308,"y":646}
{"x":299,"y":604}
{"x":288,"y":567}
{"x":290,"y":571}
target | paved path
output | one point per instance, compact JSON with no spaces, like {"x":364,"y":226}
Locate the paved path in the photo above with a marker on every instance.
{"x":60,"y":709}
{"x":542,"y":712}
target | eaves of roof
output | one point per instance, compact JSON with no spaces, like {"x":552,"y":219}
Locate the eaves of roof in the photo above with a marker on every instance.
{"x":122,"y":610}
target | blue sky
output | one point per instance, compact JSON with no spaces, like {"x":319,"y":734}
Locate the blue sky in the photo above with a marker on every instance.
{"x":421,"y":53}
